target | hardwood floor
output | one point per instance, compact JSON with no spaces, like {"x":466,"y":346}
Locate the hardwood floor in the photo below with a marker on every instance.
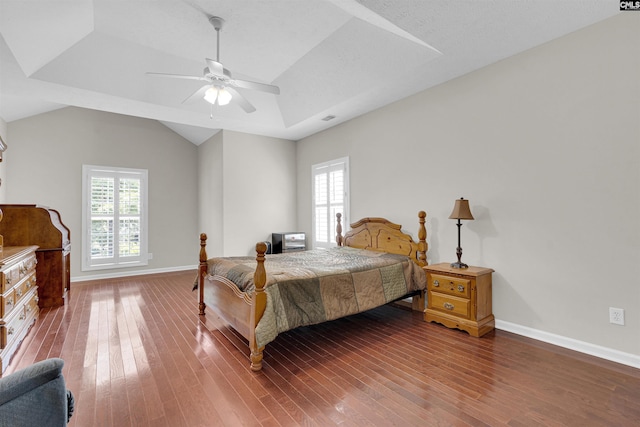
{"x":136,"y":353}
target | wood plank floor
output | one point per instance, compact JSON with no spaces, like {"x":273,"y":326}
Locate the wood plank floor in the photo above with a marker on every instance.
{"x":137,"y":353}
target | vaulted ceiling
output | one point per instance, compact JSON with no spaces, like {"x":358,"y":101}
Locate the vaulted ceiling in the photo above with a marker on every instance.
{"x":338,"y":58}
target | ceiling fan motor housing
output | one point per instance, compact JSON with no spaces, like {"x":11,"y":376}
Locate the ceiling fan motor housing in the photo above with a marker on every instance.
{"x":217,"y":22}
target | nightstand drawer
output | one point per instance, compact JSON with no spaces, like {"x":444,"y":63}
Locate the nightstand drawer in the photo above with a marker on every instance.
{"x":450,"y":304}
{"x":449,"y":285}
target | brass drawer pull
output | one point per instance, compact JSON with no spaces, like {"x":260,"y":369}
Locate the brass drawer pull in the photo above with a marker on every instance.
{"x":10,"y":331}
{"x":436,"y":283}
{"x":23,"y":316}
{"x":449,"y":306}
{"x":19,"y":293}
{"x":10,"y":301}
{"x":460,"y":288}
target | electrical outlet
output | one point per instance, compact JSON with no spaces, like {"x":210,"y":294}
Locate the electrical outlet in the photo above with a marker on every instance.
{"x":150,"y":256}
{"x":616,"y":316}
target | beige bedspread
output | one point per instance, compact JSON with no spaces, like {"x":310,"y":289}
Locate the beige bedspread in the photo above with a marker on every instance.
{"x":309,"y":287}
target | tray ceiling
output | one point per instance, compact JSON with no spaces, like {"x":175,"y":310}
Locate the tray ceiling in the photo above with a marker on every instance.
{"x":329,"y":57}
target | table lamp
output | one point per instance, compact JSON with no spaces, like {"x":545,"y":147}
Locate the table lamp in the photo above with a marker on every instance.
{"x":460,"y":211}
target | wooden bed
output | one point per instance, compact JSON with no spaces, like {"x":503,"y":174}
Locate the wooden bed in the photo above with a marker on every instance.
{"x":243,"y":310}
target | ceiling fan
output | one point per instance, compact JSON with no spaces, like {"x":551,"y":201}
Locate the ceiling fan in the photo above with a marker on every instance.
{"x":221,"y":87}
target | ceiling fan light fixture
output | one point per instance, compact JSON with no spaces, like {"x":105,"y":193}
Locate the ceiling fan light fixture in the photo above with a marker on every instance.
{"x":211,"y":95}
{"x":224,"y":96}
{"x":218,"y":79}
{"x":221,"y":95}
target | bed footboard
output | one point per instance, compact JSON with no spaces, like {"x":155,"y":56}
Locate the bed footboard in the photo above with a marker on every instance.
{"x":241,"y":310}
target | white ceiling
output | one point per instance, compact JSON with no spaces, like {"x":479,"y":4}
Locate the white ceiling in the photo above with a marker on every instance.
{"x":329,"y":57}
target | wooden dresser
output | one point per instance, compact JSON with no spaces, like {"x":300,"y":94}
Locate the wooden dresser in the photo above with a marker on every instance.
{"x":460,"y":298}
{"x":18,"y":298}
{"x":24,"y":225}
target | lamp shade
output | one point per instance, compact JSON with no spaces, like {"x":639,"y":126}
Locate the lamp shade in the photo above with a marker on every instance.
{"x":461,"y":210}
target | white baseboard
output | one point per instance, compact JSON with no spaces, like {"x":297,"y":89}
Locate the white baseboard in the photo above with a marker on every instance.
{"x":572,"y":344}
{"x":113,"y":275}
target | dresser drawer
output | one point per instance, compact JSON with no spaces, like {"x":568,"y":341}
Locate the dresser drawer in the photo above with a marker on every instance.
{"x":7,"y":302}
{"x":12,"y":275}
{"x":450,"y":285}
{"x":30,"y":282}
{"x":19,"y":319}
{"x":18,"y":298}
{"x":13,"y":327}
{"x":450,"y":304}
{"x":23,"y":287}
{"x":13,"y":297}
{"x":31,"y":308}
{"x":29,"y":265}
{"x":9,"y":277}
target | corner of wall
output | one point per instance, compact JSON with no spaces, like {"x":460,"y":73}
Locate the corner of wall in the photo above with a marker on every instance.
{"x":3,"y":167}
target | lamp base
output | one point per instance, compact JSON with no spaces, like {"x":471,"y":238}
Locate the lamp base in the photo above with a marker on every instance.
{"x":459,"y":265}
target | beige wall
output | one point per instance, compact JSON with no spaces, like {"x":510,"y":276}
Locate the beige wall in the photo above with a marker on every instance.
{"x":248,"y":190}
{"x":210,"y":193}
{"x":45,"y":167}
{"x":546,"y":146}
{"x":238,"y":188}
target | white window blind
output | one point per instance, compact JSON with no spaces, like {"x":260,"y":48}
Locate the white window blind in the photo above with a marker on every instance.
{"x":330,"y":196}
{"x":114,"y":217}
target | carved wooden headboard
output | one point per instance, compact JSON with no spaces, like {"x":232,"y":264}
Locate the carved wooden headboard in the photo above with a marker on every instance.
{"x":380,"y":234}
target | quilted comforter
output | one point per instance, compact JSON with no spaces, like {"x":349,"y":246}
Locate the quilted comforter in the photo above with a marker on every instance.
{"x":309,"y":287}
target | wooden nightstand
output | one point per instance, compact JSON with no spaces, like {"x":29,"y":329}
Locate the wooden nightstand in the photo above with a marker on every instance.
{"x":460,"y":298}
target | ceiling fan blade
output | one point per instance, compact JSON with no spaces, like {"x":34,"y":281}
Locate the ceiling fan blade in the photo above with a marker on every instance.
{"x":241,"y":100}
{"x":215,"y":67}
{"x":178,"y":76}
{"x":199,"y":94}
{"x":246,"y":84}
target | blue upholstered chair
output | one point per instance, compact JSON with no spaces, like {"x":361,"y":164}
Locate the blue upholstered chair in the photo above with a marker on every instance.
{"x":35,"y":396}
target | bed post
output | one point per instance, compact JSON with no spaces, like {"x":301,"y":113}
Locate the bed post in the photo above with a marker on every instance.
{"x":422,"y":240}
{"x":339,"y":240}
{"x":202,"y":271}
{"x":418,"y":302}
{"x":259,"y":303}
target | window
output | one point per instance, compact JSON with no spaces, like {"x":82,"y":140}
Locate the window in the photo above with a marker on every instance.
{"x":330,"y":191}
{"x":114,"y":217}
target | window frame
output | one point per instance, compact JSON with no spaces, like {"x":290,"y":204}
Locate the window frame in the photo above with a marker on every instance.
{"x":342,"y":162}
{"x":117,"y":261}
